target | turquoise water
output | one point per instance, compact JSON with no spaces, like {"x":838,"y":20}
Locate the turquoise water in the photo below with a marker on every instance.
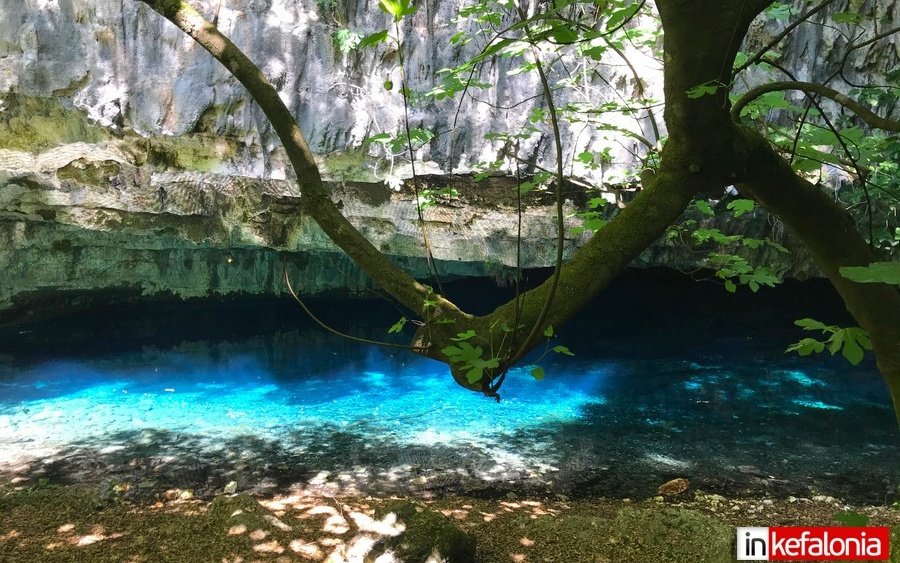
{"x":269,"y":403}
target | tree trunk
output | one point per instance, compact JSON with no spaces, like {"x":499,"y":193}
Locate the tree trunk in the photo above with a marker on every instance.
{"x":834,"y":242}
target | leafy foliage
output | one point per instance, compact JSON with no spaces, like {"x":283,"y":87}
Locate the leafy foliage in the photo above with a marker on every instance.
{"x":471,"y":359}
{"x":398,"y":326}
{"x":851,"y":342}
{"x":727,"y":256}
{"x":879,"y":272}
{"x":398,"y":9}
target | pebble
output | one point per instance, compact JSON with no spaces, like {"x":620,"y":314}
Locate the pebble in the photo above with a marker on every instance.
{"x":231,"y":488}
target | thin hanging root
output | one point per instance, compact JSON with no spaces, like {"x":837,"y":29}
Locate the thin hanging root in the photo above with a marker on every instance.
{"x":287,"y":281}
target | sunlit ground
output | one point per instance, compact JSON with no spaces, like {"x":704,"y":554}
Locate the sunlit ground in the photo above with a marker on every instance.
{"x":67,"y":524}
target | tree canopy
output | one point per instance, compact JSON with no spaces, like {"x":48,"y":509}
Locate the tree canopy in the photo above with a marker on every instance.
{"x":716,"y":136}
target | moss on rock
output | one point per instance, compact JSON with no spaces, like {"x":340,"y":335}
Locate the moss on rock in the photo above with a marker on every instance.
{"x":673,"y":534}
{"x":428,"y":535}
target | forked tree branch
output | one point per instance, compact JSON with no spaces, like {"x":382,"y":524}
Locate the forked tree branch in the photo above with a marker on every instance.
{"x":867,"y":115}
{"x":590,"y":269}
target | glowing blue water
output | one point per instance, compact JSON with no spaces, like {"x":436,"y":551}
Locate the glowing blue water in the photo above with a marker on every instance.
{"x":415,"y":400}
{"x":296,"y":408}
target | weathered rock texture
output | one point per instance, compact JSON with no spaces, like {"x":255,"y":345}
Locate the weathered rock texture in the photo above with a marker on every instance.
{"x":121,"y":215}
{"x":131,"y":160}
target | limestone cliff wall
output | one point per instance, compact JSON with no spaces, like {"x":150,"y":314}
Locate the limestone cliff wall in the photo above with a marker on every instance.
{"x":130,"y":160}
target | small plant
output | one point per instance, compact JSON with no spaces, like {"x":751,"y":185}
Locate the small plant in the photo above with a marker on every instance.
{"x":850,"y":341}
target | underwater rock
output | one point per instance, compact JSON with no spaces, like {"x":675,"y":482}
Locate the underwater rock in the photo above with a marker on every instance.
{"x":674,"y":487}
{"x":429,"y":536}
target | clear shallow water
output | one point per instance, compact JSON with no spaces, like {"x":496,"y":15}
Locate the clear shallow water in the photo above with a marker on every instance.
{"x":647,"y":398}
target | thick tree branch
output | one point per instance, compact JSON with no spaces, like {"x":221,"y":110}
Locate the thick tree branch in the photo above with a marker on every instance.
{"x":664,"y":198}
{"x":316,"y":201}
{"x":867,"y":115}
{"x":831,"y":236}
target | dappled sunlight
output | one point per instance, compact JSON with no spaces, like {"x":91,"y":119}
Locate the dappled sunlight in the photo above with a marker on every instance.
{"x":309,"y":550}
{"x":386,"y":527}
{"x":269,"y":547}
{"x":66,"y":536}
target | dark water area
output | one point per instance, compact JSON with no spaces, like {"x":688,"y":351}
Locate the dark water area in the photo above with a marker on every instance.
{"x":671,"y":378}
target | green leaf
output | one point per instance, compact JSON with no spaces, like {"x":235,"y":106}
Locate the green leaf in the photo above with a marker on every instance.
{"x":563,"y":34}
{"x":452,"y":351}
{"x":586,"y":158}
{"x":563,"y":350}
{"x":847,"y":17}
{"x":623,"y":14}
{"x":835,"y":342}
{"x":594,"y":224}
{"x":730,"y":287}
{"x":705,"y":89}
{"x":852,"y":351}
{"x":741,"y":206}
{"x":704,"y":207}
{"x":373,"y":39}
{"x":813,"y":324}
{"x":854,"y":519}
{"x":877,"y":272}
{"x":548,"y":332}
{"x":537,"y":372}
{"x":397,"y":8}
{"x":779,"y":11}
{"x":397,"y":326}
{"x":806,"y":346}
{"x":464,"y":336}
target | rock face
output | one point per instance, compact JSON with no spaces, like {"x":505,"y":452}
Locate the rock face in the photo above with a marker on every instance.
{"x":128,"y":69}
{"x":128,"y":220}
{"x":82,"y":216}
{"x":131,"y":161}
